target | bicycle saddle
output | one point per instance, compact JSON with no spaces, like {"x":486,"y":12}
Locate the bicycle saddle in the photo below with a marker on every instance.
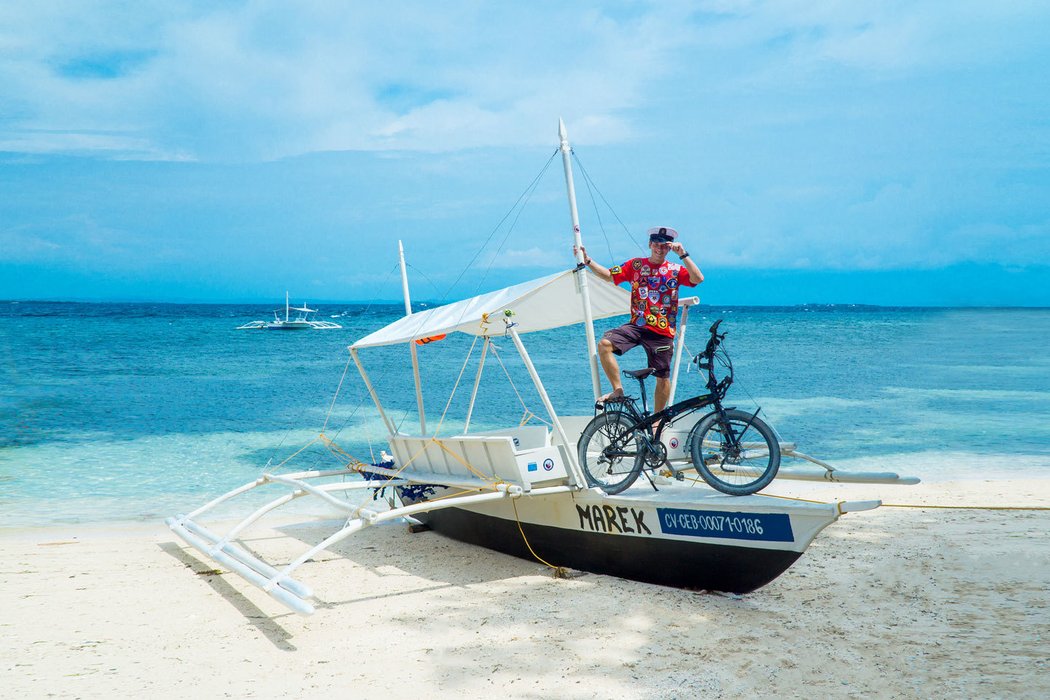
{"x":638,"y":373}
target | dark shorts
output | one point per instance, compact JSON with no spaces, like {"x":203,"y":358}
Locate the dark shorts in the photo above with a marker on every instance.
{"x":658,"y":348}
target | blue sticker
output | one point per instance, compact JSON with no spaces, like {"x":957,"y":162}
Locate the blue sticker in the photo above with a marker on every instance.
{"x":532,"y":467}
{"x":765,"y":527}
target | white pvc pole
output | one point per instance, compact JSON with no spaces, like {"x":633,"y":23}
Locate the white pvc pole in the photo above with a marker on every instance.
{"x":372,"y":391}
{"x":412,"y":344}
{"x":679,"y":343}
{"x":477,"y":381}
{"x":574,"y":468}
{"x":588,"y":319}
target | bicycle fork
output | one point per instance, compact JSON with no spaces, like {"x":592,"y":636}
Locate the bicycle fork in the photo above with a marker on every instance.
{"x":736,"y":448}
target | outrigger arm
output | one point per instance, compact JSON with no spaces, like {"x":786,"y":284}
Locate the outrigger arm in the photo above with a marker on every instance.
{"x":278,"y":583}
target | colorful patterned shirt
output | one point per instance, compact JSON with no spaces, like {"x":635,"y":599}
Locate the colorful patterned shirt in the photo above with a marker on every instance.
{"x":654,"y":292}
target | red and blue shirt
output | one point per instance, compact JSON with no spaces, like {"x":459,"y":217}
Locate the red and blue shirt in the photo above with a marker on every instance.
{"x":654,"y":292}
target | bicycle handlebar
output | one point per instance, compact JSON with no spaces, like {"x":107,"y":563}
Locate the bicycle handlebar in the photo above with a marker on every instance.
{"x":706,"y":360}
{"x":714,"y":341}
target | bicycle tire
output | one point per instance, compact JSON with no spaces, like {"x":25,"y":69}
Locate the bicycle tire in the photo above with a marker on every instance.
{"x":611,"y":475}
{"x":718,"y":463}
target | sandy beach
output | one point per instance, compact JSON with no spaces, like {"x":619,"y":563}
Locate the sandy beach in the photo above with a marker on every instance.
{"x":898,"y":602}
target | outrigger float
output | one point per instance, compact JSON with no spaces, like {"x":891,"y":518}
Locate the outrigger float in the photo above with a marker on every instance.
{"x":521,"y":490}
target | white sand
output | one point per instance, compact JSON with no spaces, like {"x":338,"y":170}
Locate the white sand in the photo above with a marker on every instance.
{"x":890,"y":603}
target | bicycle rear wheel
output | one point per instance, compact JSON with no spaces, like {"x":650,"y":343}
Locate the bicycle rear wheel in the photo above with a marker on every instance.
{"x":739,"y":455}
{"x":610,"y":453}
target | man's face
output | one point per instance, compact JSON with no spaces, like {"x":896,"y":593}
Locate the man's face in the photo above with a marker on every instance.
{"x":659,"y":250}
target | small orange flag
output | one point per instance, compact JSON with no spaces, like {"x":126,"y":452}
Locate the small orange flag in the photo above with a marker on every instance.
{"x":431,"y":339}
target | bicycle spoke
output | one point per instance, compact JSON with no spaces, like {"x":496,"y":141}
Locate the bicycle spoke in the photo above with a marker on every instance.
{"x":609,"y":452}
{"x":738,"y":455}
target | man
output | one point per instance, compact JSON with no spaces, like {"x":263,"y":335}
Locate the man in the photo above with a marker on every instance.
{"x":654,"y":309}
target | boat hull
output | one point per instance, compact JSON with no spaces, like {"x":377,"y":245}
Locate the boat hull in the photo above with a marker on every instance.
{"x":716,"y":543}
{"x":691,"y":565}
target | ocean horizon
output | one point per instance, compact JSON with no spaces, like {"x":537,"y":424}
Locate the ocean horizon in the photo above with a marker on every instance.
{"x":426,"y":303}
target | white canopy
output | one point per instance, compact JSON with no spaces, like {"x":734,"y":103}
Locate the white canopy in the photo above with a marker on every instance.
{"x":548,"y":302}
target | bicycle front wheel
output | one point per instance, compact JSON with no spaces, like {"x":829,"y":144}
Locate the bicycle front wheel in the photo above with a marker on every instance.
{"x":610,"y":453}
{"x":738,"y":455}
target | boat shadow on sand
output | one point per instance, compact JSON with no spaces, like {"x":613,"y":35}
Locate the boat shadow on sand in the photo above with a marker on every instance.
{"x":216,"y":579}
{"x":393,"y":561}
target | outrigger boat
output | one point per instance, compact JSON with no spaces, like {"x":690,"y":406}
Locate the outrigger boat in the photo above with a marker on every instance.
{"x":302,"y":322}
{"x":520,"y":490}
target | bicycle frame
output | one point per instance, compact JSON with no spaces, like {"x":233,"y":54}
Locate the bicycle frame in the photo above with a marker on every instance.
{"x":623,"y":441}
{"x":643,"y":421}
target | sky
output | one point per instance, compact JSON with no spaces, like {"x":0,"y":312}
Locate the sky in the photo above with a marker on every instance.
{"x":892,"y":153}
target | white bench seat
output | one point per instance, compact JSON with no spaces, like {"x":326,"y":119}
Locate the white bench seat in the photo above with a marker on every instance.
{"x":479,"y":458}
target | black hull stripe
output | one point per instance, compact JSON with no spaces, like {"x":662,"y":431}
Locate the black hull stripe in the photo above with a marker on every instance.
{"x":676,"y":563}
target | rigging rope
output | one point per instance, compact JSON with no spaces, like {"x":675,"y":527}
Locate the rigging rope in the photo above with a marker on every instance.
{"x":335,"y":396}
{"x":510,"y":229}
{"x":492,"y":233}
{"x":516,"y":211}
{"x":559,"y":571}
{"x":528,"y":412}
{"x":456,"y":386}
{"x":590,"y":183}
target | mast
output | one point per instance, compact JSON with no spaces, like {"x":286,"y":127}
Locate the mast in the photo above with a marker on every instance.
{"x":412,"y":344}
{"x":286,"y":306}
{"x":581,"y":278}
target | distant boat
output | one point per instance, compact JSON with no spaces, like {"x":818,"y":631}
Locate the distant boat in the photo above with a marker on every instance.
{"x":302,"y":322}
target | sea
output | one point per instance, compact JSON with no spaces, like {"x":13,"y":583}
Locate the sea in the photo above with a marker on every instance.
{"x":136,"y":411}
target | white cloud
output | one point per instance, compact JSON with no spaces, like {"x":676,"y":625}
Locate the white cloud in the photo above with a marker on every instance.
{"x":773,"y":134}
{"x":529,"y":257}
{"x":265,"y":80}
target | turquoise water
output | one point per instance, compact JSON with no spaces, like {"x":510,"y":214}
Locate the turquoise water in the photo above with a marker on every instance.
{"x":138,"y":411}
